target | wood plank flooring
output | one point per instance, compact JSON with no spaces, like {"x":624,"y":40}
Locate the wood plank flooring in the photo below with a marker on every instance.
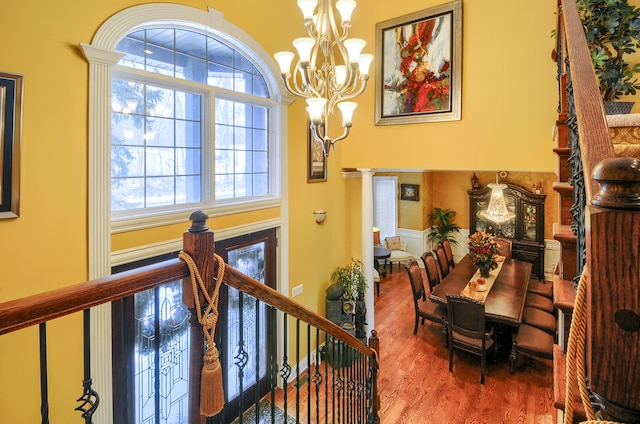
{"x":415,"y":383}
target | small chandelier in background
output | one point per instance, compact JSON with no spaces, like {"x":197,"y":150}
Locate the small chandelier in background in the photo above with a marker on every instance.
{"x":330,"y":68}
{"x":497,"y":210}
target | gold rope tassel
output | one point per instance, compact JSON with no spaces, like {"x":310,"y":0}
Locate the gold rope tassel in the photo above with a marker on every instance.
{"x":211,"y":388}
{"x":576,"y":367}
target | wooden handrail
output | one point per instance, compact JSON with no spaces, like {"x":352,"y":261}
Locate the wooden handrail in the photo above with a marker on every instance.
{"x":595,"y":142}
{"x":36,"y":309}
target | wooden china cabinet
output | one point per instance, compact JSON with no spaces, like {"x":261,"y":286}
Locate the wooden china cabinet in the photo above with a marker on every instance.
{"x":526,"y":229}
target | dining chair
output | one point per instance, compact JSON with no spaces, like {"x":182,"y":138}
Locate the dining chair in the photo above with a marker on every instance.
{"x":431,"y":269}
{"x":532,"y":342}
{"x":467,"y":330}
{"x":443,"y":263}
{"x":504,"y":248}
{"x":424,"y":308}
{"x":540,"y":319}
{"x":446,"y":244}
{"x":542,"y":288}
{"x":537,"y":301}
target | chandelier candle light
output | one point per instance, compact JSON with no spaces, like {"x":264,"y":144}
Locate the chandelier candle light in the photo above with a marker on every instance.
{"x":330,"y":68}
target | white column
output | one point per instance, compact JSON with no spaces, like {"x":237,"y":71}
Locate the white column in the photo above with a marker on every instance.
{"x":367,"y":243}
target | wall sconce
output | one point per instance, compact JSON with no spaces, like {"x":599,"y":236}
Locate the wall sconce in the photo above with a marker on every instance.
{"x":320,"y":215}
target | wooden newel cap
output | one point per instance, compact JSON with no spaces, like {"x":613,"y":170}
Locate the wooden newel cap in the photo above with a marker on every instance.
{"x":198,"y":222}
{"x":619,"y":180}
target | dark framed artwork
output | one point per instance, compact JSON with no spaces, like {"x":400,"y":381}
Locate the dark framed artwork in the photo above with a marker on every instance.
{"x":10,"y":132}
{"x":418,"y":77}
{"x":316,"y":160}
{"x":410,"y":192}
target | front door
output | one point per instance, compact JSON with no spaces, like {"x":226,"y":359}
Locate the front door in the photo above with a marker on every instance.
{"x":245,"y":324}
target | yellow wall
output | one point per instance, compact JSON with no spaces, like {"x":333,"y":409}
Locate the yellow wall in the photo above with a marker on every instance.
{"x":508,"y":109}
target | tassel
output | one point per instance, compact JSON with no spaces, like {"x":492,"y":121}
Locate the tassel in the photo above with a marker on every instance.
{"x":211,"y":389}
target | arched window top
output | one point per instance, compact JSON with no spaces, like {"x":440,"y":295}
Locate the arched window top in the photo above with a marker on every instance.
{"x":210,"y":22}
{"x":194,"y":56}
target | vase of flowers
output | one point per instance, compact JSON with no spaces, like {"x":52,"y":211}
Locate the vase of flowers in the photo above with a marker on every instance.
{"x":483,"y":250}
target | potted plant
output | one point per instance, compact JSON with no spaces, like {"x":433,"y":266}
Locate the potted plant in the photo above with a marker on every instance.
{"x":612,"y":29}
{"x":351,"y":278}
{"x":442,"y":226}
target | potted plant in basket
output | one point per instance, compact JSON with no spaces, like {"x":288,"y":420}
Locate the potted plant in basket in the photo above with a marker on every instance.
{"x":442,"y":226}
{"x":612,"y":28}
{"x":351,"y":278}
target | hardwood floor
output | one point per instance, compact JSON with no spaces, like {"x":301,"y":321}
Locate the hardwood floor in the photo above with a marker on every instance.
{"x":415,"y":383}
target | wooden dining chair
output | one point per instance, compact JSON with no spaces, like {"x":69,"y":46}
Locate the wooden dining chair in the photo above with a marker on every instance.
{"x":443,"y":263}
{"x":431,"y":269}
{"x":467,"y":330}
{"x":446,"y":245}
{"x":424,"y":308}
{"x":541,"y":287}
{"x":504,"y":246}
{"x":537,"y":301}
{"x":532,"y":342}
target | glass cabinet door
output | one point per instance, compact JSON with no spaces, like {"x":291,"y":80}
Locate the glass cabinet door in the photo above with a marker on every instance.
{"x":481,"y":223}
{"x":508,"y":228}
{"x":530,"y":220}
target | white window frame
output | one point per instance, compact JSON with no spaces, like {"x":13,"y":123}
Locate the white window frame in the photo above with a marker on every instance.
{"x":102,"y":57}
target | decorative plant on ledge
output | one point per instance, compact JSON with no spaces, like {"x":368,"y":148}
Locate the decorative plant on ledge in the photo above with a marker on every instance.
{"x":612,"y":28}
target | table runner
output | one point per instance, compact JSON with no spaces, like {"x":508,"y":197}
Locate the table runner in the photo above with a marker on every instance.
{"x":493,"y":274}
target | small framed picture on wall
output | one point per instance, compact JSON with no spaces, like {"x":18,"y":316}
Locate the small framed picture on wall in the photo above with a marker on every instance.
{"x":317,"y":161}
{"x":410,"y":192}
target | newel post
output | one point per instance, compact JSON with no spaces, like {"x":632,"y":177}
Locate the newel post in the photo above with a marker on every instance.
{"x":197,"y":242}
{"x":613,"y":289}
{"x":374,"y":343}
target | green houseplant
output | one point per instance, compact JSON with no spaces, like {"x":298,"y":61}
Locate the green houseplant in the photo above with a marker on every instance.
{"x":351,"y":278}
{"x":612,"y":29}
{"x":442,"y":225}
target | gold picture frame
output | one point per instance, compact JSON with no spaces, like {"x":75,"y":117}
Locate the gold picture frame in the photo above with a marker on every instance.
{"x":410,"y":192}
{"x":419,"y":71}
{"x":10,"y":140}
{"x":316,"y":160}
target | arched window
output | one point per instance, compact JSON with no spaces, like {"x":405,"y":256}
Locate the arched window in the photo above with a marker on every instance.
{"x":194,"y":113}
{"x":177,"y":95}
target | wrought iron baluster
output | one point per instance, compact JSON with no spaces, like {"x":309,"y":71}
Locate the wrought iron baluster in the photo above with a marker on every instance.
{"x":317,"y":378}
{"x":273,"y":366}
{"x":309,"y":364}
{"x":285,"y":370}
{"x":577,"y":181}
{"x":44,"y":375}
{"x":257,"y":351}
{"x":241,"y":358}
{"x":89,"y":399}
{"x":297,"y":370}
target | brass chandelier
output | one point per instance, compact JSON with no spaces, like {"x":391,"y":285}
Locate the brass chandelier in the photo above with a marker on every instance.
{"x":330,"y":67}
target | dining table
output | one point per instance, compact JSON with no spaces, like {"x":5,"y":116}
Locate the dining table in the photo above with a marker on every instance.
{"x":504,"y":301}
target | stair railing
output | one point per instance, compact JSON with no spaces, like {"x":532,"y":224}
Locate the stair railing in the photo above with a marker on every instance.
{"x":606,"y":223}
{"x":338,"y":384}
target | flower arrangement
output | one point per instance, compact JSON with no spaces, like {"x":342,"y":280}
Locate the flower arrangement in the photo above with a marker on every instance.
{"x":483,"y":249}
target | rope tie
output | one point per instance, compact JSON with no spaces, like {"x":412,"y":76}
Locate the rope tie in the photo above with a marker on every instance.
{"x":211,"y":389}
{"x":576,"y":367}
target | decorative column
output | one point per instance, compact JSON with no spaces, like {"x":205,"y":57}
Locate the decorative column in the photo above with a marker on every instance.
{"x":367,"y":242}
